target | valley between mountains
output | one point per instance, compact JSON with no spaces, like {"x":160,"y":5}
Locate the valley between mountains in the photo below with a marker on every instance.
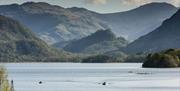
{"x":41,"y":32}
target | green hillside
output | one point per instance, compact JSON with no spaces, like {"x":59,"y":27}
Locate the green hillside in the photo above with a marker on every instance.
{"x":19,"y":44}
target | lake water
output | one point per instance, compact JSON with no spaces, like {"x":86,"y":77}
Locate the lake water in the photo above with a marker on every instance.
{"x":89,"y":77}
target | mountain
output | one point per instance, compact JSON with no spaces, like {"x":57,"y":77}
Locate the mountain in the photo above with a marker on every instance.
{"x":19,"y":44}
{"x":98,"y":42}
{"x":139,"y":21}
{"x":164,"y":37}
{"x":53,"y":23}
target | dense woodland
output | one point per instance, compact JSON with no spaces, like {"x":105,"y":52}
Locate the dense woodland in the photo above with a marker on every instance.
{"x":165,"y":59}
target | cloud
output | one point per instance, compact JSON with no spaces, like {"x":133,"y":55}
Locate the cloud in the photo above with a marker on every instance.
{"x":175,"y":2}
{"x":96,"y":2}
{"x":141,"y":2}
{"x":135,"y":2}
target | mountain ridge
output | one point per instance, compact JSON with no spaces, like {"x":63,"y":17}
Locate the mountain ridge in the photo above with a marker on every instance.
{"x":164,"y":37}
{"x":100,"y":41}
{"x":52,"y":23}
{"x":55,"y":24}
{"x":140,"y":20}
{"x":19,"y":44}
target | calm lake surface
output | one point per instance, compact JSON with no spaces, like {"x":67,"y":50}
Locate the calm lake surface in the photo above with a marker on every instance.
{"x":89,"y":77}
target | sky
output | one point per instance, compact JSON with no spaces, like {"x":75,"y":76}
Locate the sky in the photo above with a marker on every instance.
{"x":101,"y":6}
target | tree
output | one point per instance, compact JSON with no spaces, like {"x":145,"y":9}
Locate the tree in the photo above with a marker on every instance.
{"x":4,"y":83}
{"x":165,"y":59}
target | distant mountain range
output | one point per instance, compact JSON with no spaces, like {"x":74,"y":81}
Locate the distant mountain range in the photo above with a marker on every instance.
{"x":19,"y":44}
{"x":56,"y":24}
{"x":52,"y":23}
{"x":99,"y":42}
{"x":139,"y":21}
{"x":154,"y":27}
{"x":164,"y":37}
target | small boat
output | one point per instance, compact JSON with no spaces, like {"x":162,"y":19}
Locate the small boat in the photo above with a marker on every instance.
{"x":104,"y":83}
{"x":40,"y":82}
